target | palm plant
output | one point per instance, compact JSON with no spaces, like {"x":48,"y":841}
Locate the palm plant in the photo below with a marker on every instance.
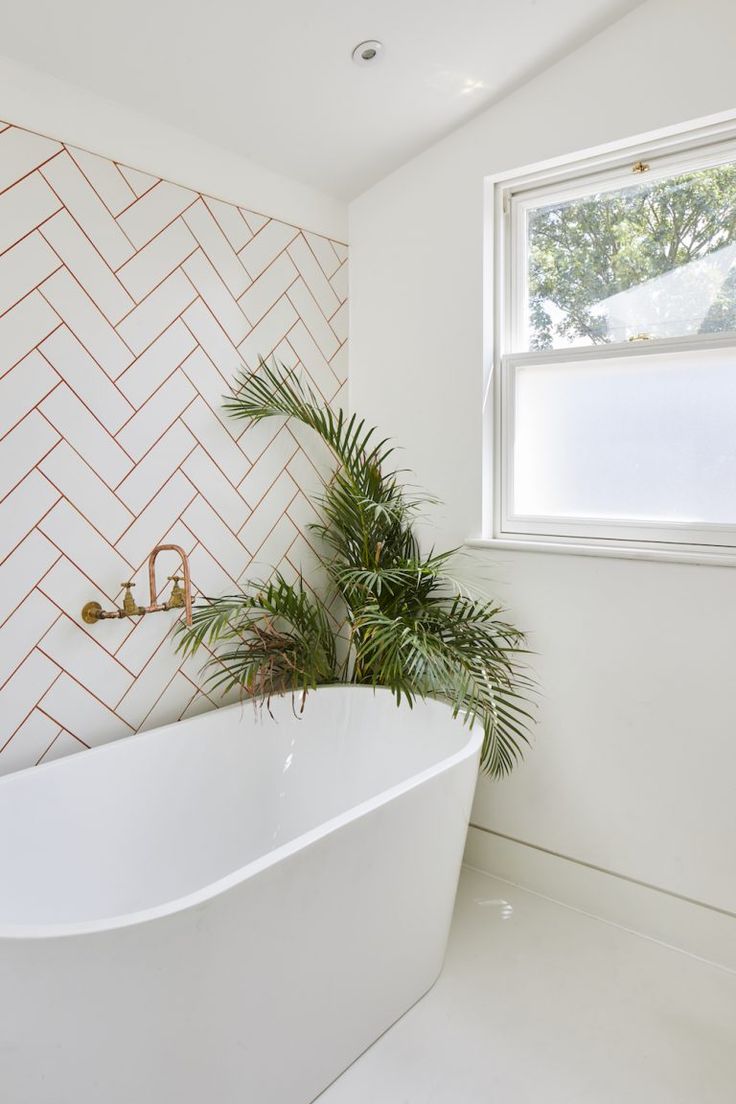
{"x":403,"y":622}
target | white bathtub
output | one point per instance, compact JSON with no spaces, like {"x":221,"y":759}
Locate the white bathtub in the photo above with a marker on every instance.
{"x":229,"y":909}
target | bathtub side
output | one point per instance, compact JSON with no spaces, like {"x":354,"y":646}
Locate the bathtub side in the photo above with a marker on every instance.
{"x":265,"y":992}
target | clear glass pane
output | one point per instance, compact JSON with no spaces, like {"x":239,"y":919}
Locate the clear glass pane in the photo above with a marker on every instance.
{"x":655,"y":259}
{"x":650,"y":438}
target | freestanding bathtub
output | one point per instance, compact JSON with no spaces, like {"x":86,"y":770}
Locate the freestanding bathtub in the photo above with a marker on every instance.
{"x":229,"y":909}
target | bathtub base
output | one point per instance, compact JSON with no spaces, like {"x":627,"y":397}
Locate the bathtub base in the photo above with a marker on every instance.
{"x":266,"y":993}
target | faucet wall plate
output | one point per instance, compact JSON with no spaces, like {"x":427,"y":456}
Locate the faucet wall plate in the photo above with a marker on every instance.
{"x":91,"y":613}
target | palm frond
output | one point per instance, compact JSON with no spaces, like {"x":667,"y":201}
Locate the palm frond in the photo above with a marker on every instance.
{"x":272,"y":637}
{"x":404,"y":623}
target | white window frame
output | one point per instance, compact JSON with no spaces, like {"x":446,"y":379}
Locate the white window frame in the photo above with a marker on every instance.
{"x":508,"y":197}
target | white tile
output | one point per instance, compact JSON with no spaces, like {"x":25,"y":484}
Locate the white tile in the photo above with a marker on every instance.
{"x":199,"y":704}
{"x":340,"y":322}
{"x":23,"y":327}
{"x":22,"y":448}
{"x":268,"y":467}
{"x":318,"y":370}
{"x":106,"y":179}
{"x":156,"y":415}
{"x":213,"y":339}
{"x":22,"y":388}
{"x":151,"y":682}
{"x":157,"y":260}
{"x":22,"y":151}
{"x":144,"y":324}
{"x":151,"y":632}
{"x":215,"y":488}
{"x":313,"y":276}
{"x":208,"y":578}
{"x":23,"y":207}
{"x":84,"y":546}
{"x":339,"y":282}
{"x":83,"y":375}
{"x":29,"y":743}
{"x":23,"y":268}
{"x":154,"y":521}
{"x":87,"y":323}
{"x":154,"y":366}
{"x":255,"y":437}
{"x":83,"y":431}
{"x":313,"y":318}
{"x":266,"y":514}
{"x":67,"y":645}
{"x":70,"y":590}
{"x":339,"y":365}
{"x":81,"y":486}
{"x":341,"y":249}
{"x":64,"y":744}
{"x":20,"y":572}
{"x":266,"y":335}
{"x":217,"y":248}
{"x":254,"y":220}
{"x":140,"y":182}
{"x":86,"y":207}
{"x":158,"y":207}
{"x":86,"y":264}
{"x":158,"y":465}
{"x":270,"y":285}
{"x":216,"y":537}
{"x":30,"y":682}
{"x":217,"y":296}
{"x":306,"y":562}
{"x":21,"y":632}
{"x":305,"y":474}
{"x":81,"y":714}
{"x":328,"y":259}
{"x":230,"y":221}
{"x":216,"y":441}
{"x":303,"y":513}
{"x":538,"y":1004}
{"x":23,"y":508}
{"x":258,"y":254}
{"x":171,"y":704}
{"x":207,"y":381}
{"x":272,"y":551}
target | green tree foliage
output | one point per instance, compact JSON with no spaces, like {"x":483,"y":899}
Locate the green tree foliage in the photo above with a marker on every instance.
{"x":584,"y":251}
{"x":403,"y":622}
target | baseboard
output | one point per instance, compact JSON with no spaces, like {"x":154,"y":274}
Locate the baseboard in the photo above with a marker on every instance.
{"x":698,"y":929}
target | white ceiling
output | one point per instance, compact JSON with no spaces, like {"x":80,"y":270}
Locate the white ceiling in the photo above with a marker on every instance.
{"x":273,"y":80}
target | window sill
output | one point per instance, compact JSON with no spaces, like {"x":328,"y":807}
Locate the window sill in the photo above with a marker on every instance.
{"x":609,"y":551}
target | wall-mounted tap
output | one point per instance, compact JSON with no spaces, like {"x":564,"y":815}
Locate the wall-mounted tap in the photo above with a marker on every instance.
{"x":178,"y":599}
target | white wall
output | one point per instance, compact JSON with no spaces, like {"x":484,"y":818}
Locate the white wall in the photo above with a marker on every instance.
{"x":40,"y":102}
{"x":636,"y":744}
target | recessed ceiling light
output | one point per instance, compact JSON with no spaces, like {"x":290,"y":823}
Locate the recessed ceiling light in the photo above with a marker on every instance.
{"x":367,"y":53}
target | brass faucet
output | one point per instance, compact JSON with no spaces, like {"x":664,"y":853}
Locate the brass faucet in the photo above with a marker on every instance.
{"x":178,"y":599}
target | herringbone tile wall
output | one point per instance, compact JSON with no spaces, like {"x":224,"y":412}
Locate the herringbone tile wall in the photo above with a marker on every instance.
{"x":126,"y":305}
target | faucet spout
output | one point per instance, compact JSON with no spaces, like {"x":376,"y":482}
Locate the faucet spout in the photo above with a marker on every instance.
{"x":154,"y":606}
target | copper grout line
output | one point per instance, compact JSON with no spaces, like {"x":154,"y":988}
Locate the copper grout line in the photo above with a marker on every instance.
{"x":113,"y":214}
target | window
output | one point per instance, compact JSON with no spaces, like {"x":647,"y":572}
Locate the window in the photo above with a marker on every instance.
{"x":615,"y":350}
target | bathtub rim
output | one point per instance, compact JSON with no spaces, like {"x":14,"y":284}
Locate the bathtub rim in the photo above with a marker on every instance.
{"x":471,"y":748}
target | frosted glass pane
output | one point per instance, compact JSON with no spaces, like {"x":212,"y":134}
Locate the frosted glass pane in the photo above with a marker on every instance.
{"x":656,"y":259}
{"x":645,"y":438}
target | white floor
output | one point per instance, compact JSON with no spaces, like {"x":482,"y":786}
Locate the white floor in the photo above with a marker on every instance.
{"x":539,"y":1004}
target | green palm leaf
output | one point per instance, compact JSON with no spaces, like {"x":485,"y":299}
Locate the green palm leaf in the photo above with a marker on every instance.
{"x":403,"y":622}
